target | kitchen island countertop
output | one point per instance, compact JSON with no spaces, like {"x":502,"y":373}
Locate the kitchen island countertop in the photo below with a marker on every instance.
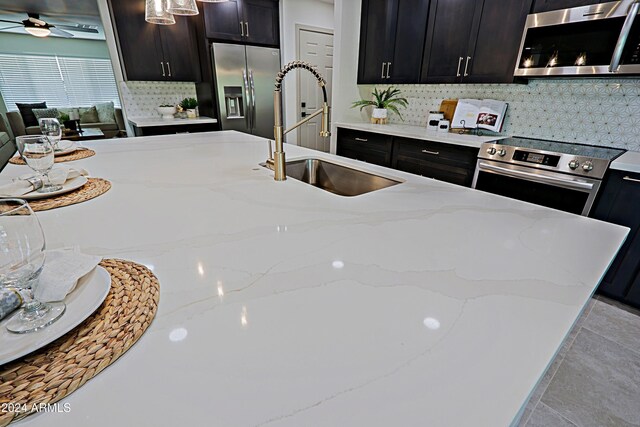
{"x":422,"y":304}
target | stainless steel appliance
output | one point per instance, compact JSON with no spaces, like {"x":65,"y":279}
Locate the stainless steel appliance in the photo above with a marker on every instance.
{"x":244,"y":85}
{"x":554,"y":174}
{"x":601,"y":39}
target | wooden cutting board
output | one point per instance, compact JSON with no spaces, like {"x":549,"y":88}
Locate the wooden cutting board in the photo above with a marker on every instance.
{"x":448,"y":107}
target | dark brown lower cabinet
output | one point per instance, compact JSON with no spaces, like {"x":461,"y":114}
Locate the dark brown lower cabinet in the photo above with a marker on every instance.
{"x":365,"y":146}
{"x":619,"y":203}
{"x":445,"y":162}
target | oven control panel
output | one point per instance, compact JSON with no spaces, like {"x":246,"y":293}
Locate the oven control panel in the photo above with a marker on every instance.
{"x":558,"y":162}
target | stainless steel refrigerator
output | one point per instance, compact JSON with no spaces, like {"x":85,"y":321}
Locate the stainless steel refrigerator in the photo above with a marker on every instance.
{"x":245,"y":78}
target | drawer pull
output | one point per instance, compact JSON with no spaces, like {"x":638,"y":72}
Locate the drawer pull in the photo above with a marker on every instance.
{"x":435,"y":153}
{"x":361,"y":139}
{"x":628,"y":178}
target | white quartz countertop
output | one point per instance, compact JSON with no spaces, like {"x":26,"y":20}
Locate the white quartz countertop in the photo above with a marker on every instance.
{"x":423,"y":304}
{"x":629,"y":161}
{"x":419,"y":132}
{"x":142,"y":122}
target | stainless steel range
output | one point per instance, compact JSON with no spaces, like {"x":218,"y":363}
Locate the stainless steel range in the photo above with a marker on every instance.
{"x":554,"y":174}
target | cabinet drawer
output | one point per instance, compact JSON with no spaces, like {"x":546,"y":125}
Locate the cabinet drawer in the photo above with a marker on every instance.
{"x":366,"y":146}
{"x":445,"y":162}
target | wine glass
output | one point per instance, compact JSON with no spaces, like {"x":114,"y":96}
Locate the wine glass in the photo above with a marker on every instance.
{"x":22,"y":258}
{"x":37,"y":152}
{"x":51,"y":128}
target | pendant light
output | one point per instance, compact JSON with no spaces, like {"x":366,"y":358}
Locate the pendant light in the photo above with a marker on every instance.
{"x":183,"y":7}
{"x":155,"y":12}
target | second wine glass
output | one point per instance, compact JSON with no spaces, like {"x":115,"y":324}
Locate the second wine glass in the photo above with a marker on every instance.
{"x":52,"y":129}
{"x":37,"y":152}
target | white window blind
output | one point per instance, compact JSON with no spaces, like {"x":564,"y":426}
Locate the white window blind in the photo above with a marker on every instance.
{"x":60,"y":81}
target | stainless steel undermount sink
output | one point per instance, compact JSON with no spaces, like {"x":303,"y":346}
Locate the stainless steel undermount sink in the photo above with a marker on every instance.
{"x":335,"y":178}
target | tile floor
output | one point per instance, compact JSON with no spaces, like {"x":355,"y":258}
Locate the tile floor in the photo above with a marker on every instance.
{"x":595,"y":379}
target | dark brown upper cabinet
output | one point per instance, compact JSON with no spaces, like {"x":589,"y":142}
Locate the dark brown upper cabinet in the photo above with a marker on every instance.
{"x":473,"y":41}
{"x":547,"y":5}
{"x":392,"y":34}
{"x":151,"y":52}
{"x":253,"y":22}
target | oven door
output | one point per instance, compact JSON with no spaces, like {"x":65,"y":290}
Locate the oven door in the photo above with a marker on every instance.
{"x":550,"y":189}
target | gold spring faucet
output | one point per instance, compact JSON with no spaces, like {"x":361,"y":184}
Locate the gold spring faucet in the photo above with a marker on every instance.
{"x":277,"y":161}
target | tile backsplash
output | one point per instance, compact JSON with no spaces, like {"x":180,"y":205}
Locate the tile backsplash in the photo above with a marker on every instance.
{"x":591,"y":111}
{"x":142,"y":98}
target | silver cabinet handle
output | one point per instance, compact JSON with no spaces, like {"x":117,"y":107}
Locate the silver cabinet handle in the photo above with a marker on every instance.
{"x":162,"y":65}
{"x":466,"y":66}
{"x":459,"y":63}
{"x":247,"y":25}
{"x":169,"y":68}
{"x":361,"y":139}
{"x":382,"y":75}
{"x":242,"y":28}
{"x":388,"y":69}
{"x":628,"y":178}
{"x":435,"y":153}
{"x":622,"y":38}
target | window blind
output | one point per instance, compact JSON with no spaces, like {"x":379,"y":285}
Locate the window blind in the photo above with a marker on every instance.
{"x":60,"y":81}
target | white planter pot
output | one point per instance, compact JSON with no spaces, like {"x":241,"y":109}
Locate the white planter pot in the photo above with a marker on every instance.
{"x":167,"y":112}
{"x":191,"y":113}
{"x":379,"y":113}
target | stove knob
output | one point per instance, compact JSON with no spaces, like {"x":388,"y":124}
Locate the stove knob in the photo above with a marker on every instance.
{"x":574,"y":164}
{"x":587,"y":166}
{"x":491,"y":151}
{"x":502,"y":152}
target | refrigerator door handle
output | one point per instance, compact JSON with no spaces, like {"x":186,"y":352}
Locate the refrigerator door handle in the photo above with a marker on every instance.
{"x":249,"y":110}
{"x":253,"y":98}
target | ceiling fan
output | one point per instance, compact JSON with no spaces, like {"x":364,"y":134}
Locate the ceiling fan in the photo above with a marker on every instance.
{"x":39,"y":28}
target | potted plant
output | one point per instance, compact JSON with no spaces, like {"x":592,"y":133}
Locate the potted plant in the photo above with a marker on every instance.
{"x":190,"y":105}
{"x":382,"y":102}
{"x":69,"y":125}
{"x":167,"y":111}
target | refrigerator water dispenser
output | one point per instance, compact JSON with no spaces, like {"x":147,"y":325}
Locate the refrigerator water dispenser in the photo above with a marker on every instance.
{"x":233,"y":102}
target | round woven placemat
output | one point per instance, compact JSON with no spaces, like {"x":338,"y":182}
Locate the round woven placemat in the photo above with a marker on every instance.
{"x":76,"y":155}
{"x":93,"y":188}
{"x":57,"y":370}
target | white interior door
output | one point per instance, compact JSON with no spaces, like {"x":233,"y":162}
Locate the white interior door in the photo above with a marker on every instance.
{"x":315,"y":47}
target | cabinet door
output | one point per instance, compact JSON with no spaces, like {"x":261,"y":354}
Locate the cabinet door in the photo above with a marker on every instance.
{"x":547,"y":5}
{"x":444,"y":162}
{"x":180,"y":50}
{"x":493,"y":51}
{"x":619,"y":204}
{"x":408,"y":42}
{"x":375,"y":26}
{"x":222,"y":21}
{"x":138,"y":41}
{"x":365,"y":146}
{"x":450,"y":24}
{"x":261,"y":22}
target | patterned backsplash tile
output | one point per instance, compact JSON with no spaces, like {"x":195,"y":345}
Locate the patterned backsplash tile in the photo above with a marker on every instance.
{"x":591,"y":111}
{"x":141,"y":98}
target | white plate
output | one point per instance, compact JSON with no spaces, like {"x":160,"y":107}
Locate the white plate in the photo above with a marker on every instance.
{"x":88,"y":295}
{"x":70,"y":185}
{"x":65,"y":147}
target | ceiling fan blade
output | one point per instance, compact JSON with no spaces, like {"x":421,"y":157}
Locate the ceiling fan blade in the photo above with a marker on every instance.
{"x":58,"y":32}
{"x":11,"y":22}
{"x":80,"y":27}
{"x":8,"y":28}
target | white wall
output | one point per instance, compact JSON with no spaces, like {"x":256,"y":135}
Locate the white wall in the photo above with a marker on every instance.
{"x":316,"y":13}
{"x":345,"y":64}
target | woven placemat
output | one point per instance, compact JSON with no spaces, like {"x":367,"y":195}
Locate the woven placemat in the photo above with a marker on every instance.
{"x":93,"y":188}
{"x":76,"y":155}
{"x":63,"y":366}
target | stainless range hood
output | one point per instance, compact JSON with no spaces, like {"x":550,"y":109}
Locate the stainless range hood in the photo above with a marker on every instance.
{"x":597,"y":40}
